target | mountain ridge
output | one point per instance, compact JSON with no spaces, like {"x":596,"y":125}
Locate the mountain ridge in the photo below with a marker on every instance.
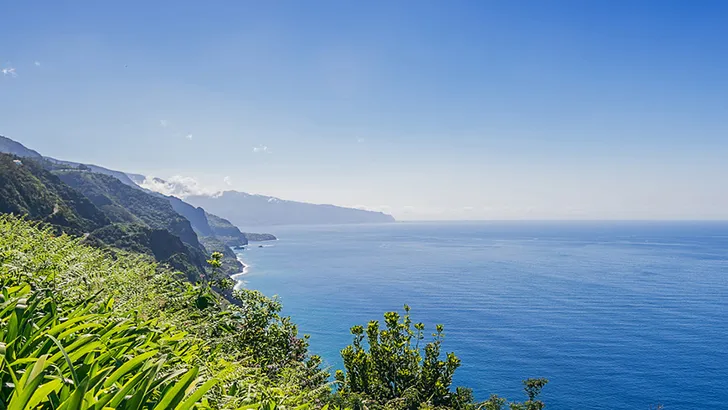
{"x":237,"y":208}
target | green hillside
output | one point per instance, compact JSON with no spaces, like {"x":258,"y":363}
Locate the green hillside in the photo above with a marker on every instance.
{"x":125,"y":204}
{"x":90,"y":331}
{"x":27,"y":189}
{"x":225,"y":231}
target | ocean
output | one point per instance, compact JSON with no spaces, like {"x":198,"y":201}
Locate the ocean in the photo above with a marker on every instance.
{"x":617,"y":315}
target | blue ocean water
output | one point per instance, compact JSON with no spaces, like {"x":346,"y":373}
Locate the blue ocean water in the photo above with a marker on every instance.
{"x":617,"y":315}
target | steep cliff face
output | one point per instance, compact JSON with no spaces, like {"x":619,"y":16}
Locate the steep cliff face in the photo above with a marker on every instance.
{"x":28,"y":189}
{"x":122,"y":200}
{"x":225,"y":231}
{"x":196,"y":216}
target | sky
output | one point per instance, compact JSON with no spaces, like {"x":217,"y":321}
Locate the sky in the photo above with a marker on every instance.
{"x":432,"y":110}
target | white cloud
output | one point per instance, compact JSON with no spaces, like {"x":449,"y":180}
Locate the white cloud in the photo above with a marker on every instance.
{"x":261,"y":149}
{"x":227,"y":181}
{"x":177,"y":185}
{"x":189,"y":137}
{"x":360,"y":140}
{"x":9,"y":71}
{"x":163,"y":123}
{"x":37,"y":63}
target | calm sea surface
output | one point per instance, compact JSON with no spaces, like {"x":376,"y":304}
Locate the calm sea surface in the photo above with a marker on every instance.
{"x":617,"y":315}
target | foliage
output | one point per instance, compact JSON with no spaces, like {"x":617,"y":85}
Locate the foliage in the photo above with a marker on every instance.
{"x":230,"y":263}
{"x":532,"y":387}
{"x":61,"y":356}
{"x":240,"y":356}
{"x":393,"y":368}
{"x":28,"y":189}
{"x":125,"y":204}
{"x":396,"y":372}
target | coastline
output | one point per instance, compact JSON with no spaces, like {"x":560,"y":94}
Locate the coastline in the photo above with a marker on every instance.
{"x":237,"y":277}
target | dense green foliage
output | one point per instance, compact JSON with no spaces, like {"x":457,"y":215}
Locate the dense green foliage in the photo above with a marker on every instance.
{"x":27,"y":189}
{"x":124,"y":204}
{"x":120,"y":310}
{"x":393,"y":368}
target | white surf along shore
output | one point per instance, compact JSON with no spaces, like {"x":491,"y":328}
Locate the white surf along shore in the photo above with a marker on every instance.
{"x":238,"y":277}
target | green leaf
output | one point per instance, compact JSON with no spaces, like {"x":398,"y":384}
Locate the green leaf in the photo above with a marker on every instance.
{"x":128,"y":367}
{"x":197,"y":395}
{"x":176,"y":393}
{"x":43,"y":392}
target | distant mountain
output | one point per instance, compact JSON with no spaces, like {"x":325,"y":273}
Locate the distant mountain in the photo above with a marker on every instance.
{"x":196,"y":216}
{"x":235,"y":208}
{"x":12,"y":147}
{"x":229,"y":233}
{"x":124,"y":177}
{"x":245,"y":210}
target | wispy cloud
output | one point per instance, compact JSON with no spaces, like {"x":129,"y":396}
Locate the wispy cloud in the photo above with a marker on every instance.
{"x":163,"y":123}
{"x":189,"y":137}
{"x":227,"y":180}
{"x":9,"y":71}
{"x":177,"y":185}
{"x":261,"y":149}
{"x":360,"y":140}
{"x":37,"y":63}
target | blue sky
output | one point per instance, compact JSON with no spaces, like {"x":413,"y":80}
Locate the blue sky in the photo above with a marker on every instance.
{"x":425,"y":109}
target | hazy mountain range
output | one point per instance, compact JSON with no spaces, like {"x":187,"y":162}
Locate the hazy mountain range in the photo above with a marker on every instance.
{"x":239,"y":208}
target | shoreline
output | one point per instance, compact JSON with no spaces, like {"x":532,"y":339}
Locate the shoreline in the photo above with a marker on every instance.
{"x":237,"y":277}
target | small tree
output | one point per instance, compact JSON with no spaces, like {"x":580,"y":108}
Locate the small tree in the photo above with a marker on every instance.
{"x":396,"y":370}
{"x":205,"y":295}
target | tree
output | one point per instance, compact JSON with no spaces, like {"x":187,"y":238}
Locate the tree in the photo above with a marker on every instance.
{"x":396,"y":371}
{"x":205,"y":295}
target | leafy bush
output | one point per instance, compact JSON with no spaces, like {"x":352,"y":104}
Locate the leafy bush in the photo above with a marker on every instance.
{"x":396,"y":372}
{"x":393,"y":368}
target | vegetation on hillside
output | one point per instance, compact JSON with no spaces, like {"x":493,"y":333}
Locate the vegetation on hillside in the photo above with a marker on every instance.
{"x":124,"y":204}
{"x":227,"y":232}
{"x":27,"y":188}
{"x":128,"y":328}
{"x":80,"y":328}
{"x":88,"y":319}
